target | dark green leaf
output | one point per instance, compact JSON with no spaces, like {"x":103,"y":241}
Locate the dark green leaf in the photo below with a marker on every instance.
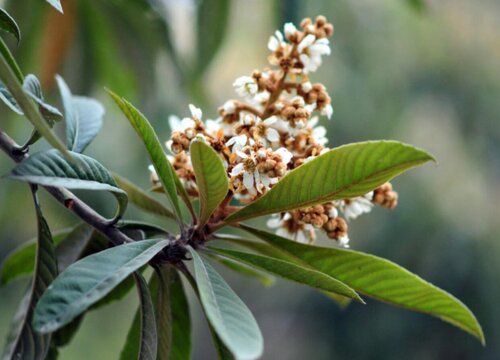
{"x":378,"y":278}
{"x":21,"y":261}
{"x":83,"y":118}
{"x":164,"y":312}
{"x":89,"y":280}
{"x":229,"y":316}
{"x":344,"y":172}
{"x":49,"y":168}
{"x":142,"y":199}
{"x":8,"y":24}
{"x":293,"y":272}
{"x":56,"y":4}
{"x":212,"y":19}
{"x":23,"y":342}
{"x":211,"y":178}
{"x":160,"y":162}
{"x":181,"y":320}
{"x":148,"y":336}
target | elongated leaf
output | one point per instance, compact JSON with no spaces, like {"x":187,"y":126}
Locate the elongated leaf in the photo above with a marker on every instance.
{"x":211,"y":178}
{"x":344,"y":172}
{"x":23,"y":342}
{"x":49,"y":168}
{"x":83,"y":117}
{"x":89,"y":280}
{"x":291,"y":271}
{"x":212,"y":19}
{"x":245,"y":270}
{"x":141,"y":199}
{"x":21,"y":261}
{"x":229,"y":316}
{"x":164,"y":312}
{"x":9,"y":100}
{"x":8,"y":24}
{"x":160,"y":162}
{"x":56,"y":4}
{"x":379,"y":278}
{"x":33,"y":88}
{"x":11,"y":77}
{"x":148,"y":336}
{"x":181,"y":319}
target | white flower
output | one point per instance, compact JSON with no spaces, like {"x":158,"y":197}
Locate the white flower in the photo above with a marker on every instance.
{"x":276,"y":41}
{"x":247,"y":168}
{"x":270,"y":134}
{"x":237,"y":142}
{"x":357,"y":206}
{"x":229,"y":107}
{"x":307,"y":86}
{"x":343,"y":241}
{"x":176,"y":124}
{"x":245,"y":86}
{"x":333,"y":212}
{"x":318,"y":132}
{"x":213,"y":126}
{"x":290,"y":30}
{"x":195,"y":112}
{"x":305,"y":234}
{"x":327,"y":111}
{"x":285,"y":154}
{"x":262,"y":97}
{"x":311,"y":50}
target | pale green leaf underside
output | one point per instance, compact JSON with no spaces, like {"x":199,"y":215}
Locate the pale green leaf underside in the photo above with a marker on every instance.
{"x":228,"y":315}
{"x":291,"y":271}
{"x":89,"y":280}
{"x":211,"y":178}
{"x":380,"y":279}
{"x":83,"y":117}
{"x":344,"y":172}
{"x":142,"y":199}
{"x":158,"y":158}
{"x":50,"y":168}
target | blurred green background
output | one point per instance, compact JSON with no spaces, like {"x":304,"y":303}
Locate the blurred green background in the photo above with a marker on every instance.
{"x":423,"y":72}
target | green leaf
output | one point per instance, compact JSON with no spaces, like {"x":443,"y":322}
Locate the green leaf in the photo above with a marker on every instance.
{"x":8,"y":24}
{"x":33,"y":88}
{"x":246,"y":270}
{"x":9,"y":100}
{"x":49,"y":168}
{"x":83,"y":117}
{"x":142,"y":199}
{"x":23,"y":342}
{"x":148,"y":336}
{"x":380,"y":279}
{"x":12,"y":77}
{"x":212,"y":19}
{"x":229,"y":316}
{"x":291,"y":271}
{"x":89,"y":280}
{"x":21,"y":261}
{"x":56,"y":4}
{"x":164,"y":312}
{"x":181,"y":319}
{"x":160,"y":162}
{"x":344,"y":172}
{"x":211,"y":178}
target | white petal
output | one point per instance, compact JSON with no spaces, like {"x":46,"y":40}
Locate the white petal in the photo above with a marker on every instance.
{"x":273,"y":43}
{"x":306,"y":86}
{"x":285,"y":155}
{"x":229,"y":107}
{"x":290,"y":29}
{"x":272,"y":135}
{"x":174,"y":122}
{"x":248,"y":182}
{"x":195,"y":112}
{"x":274,"y":222}
{"x":238,"y":169}
{"x":306,"y":42}
{"x":327,"y":111}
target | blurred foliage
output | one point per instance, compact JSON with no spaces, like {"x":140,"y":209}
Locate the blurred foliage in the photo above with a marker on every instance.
{"x":426,"y":77}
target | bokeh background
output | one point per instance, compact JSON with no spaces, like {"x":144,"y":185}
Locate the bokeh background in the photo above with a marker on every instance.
{"x":423,"y":72}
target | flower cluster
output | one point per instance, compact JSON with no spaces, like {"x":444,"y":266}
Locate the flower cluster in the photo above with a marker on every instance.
{"x":272,"y":130}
